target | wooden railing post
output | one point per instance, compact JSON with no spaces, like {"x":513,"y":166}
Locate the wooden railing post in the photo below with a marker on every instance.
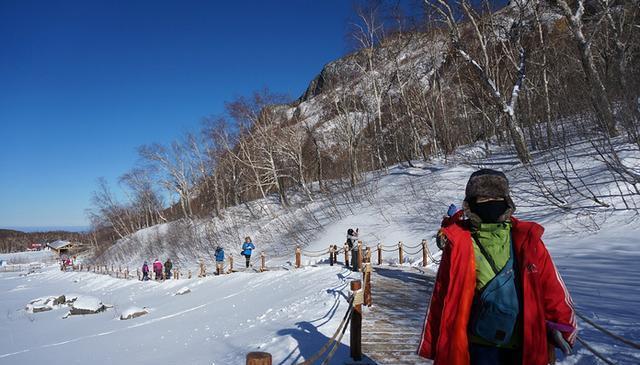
{"x":298,"y":256}
{"x":230,"y":263}
{"x":331,"y":255}
{"x":367,"y":284}
{"x":189,"y":274}
{"x":379,"y":253}
{"x":424,"y":253}
{"x":346,"y":255}
{"x":367,"y":255}
{"x":356,"y":325}
{"x":359,"y":255}
{"x":400,"y":253}
{"x":259,"y":358}
{"x":263,"y":266}
{"x":203,"y":270}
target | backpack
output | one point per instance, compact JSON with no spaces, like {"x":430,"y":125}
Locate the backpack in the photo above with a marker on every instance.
{"x":496,"y":308}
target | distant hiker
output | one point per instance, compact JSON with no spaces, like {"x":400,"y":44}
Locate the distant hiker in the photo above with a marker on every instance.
{"x":498,"y":298}
{"x":168,"y":265}
{"x":157,"y":269}
{"x":219,"y":260}
{"x":145,"y":271}
{"x":352,"y":237}
{"x":247,"y":247}
{"x":333,"y":254}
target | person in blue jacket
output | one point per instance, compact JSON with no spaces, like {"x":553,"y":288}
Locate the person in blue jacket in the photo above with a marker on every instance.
{"x":219,"y":260}
{"x":247,"y":247}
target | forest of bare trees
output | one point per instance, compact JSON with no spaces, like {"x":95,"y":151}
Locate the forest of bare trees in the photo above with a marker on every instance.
{"x":535,"y":76}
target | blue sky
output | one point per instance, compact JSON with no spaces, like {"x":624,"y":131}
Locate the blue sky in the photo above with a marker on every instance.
{"x":83,"y":83}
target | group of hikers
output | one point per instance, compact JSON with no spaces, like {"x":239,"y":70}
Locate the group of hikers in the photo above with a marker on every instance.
{"x":160,"y":271}
{"x":163,"y":271}
{"x":68,"y":263}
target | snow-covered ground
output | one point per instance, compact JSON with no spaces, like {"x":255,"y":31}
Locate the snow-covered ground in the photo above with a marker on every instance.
{"x":221,"y":319}
{"x":291,"y":313}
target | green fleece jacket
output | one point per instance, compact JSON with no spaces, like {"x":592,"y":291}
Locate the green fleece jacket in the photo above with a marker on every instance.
{"x":496,"y":240}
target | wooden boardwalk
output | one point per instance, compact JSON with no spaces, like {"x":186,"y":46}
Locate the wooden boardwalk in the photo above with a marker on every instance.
{"x":391,"y":328}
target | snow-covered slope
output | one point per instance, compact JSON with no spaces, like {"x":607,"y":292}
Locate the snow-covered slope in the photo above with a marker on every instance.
{"x":292,"y":312}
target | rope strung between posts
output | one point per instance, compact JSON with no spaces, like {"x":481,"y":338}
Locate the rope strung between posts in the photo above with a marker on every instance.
{"x":342,"y":327}
{"x":315,"y":255}
{"x":609,"y":333}
{"x":318,"y":251}
{"x":389,"y":250}
{"x":338,"y":341}
{"x":416,"y":246}
{"x":594,"y":351}
{"x":412,"y":253}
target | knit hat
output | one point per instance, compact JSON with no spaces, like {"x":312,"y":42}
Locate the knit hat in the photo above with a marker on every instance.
{"x":491,"y":184}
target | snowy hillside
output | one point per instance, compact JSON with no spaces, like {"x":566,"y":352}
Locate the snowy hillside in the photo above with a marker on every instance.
{"x":291,"y":313}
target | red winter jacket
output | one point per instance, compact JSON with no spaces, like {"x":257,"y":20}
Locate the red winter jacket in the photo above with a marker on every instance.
{"x":545,"y":297}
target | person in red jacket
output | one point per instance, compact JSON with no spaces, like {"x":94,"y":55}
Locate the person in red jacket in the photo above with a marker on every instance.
{"x":485,"y":250}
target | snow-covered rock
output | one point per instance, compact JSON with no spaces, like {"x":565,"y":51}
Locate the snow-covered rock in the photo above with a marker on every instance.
{"x":87,"y":305}
{"x":184,"y":290}
{"x":133,"y":312}
{"x":45,"y":304}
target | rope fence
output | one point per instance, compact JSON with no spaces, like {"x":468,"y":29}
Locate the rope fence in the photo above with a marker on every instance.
{"x":351,"y":317}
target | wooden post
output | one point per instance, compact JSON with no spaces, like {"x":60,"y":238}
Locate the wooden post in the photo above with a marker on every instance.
{"x":424,"y":253}
{"x":359,"y":255}
{"x":400,"y":254}
{"x":189,"y":275}
{"x":331,"y":253}
{"x":203,"y":270}
{"x":230,"y":262}
{"x":112,"y":268}
{"x":126,"y":273}
{"x":177,"y":274}
{"x":367,"y":255}
{"x":356,"y":325}
{"x":298,"y":257}
{"x":346,"y":255}
{"x":379,"y":253}
{"x":259,"y":358}
{"x":367,"y":284}
{"x":263,"y":267}
{"x":119,"y":271}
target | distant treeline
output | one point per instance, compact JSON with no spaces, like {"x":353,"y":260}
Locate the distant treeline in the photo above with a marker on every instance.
{"x":14,"y":241}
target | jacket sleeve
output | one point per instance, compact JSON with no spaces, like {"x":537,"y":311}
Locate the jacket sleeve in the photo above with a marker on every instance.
{"x":558,"y":305}
{"x":431,"y":328}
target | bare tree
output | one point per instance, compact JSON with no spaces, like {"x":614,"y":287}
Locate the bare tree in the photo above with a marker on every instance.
{"x":483,"y":65}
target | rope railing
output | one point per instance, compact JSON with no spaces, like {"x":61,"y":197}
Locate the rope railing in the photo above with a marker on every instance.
{"x":608,"y":333}
{"x":258,"y":261}
{"x":332,"y":341}
{"x":352,"y":316}
{"x":594,"y":351}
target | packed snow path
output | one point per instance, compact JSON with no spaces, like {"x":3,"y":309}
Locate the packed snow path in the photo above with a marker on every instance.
{"x":391,"y":327}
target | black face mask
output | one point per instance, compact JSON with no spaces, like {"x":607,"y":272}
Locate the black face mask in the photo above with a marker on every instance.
{"x":489,"y":212}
